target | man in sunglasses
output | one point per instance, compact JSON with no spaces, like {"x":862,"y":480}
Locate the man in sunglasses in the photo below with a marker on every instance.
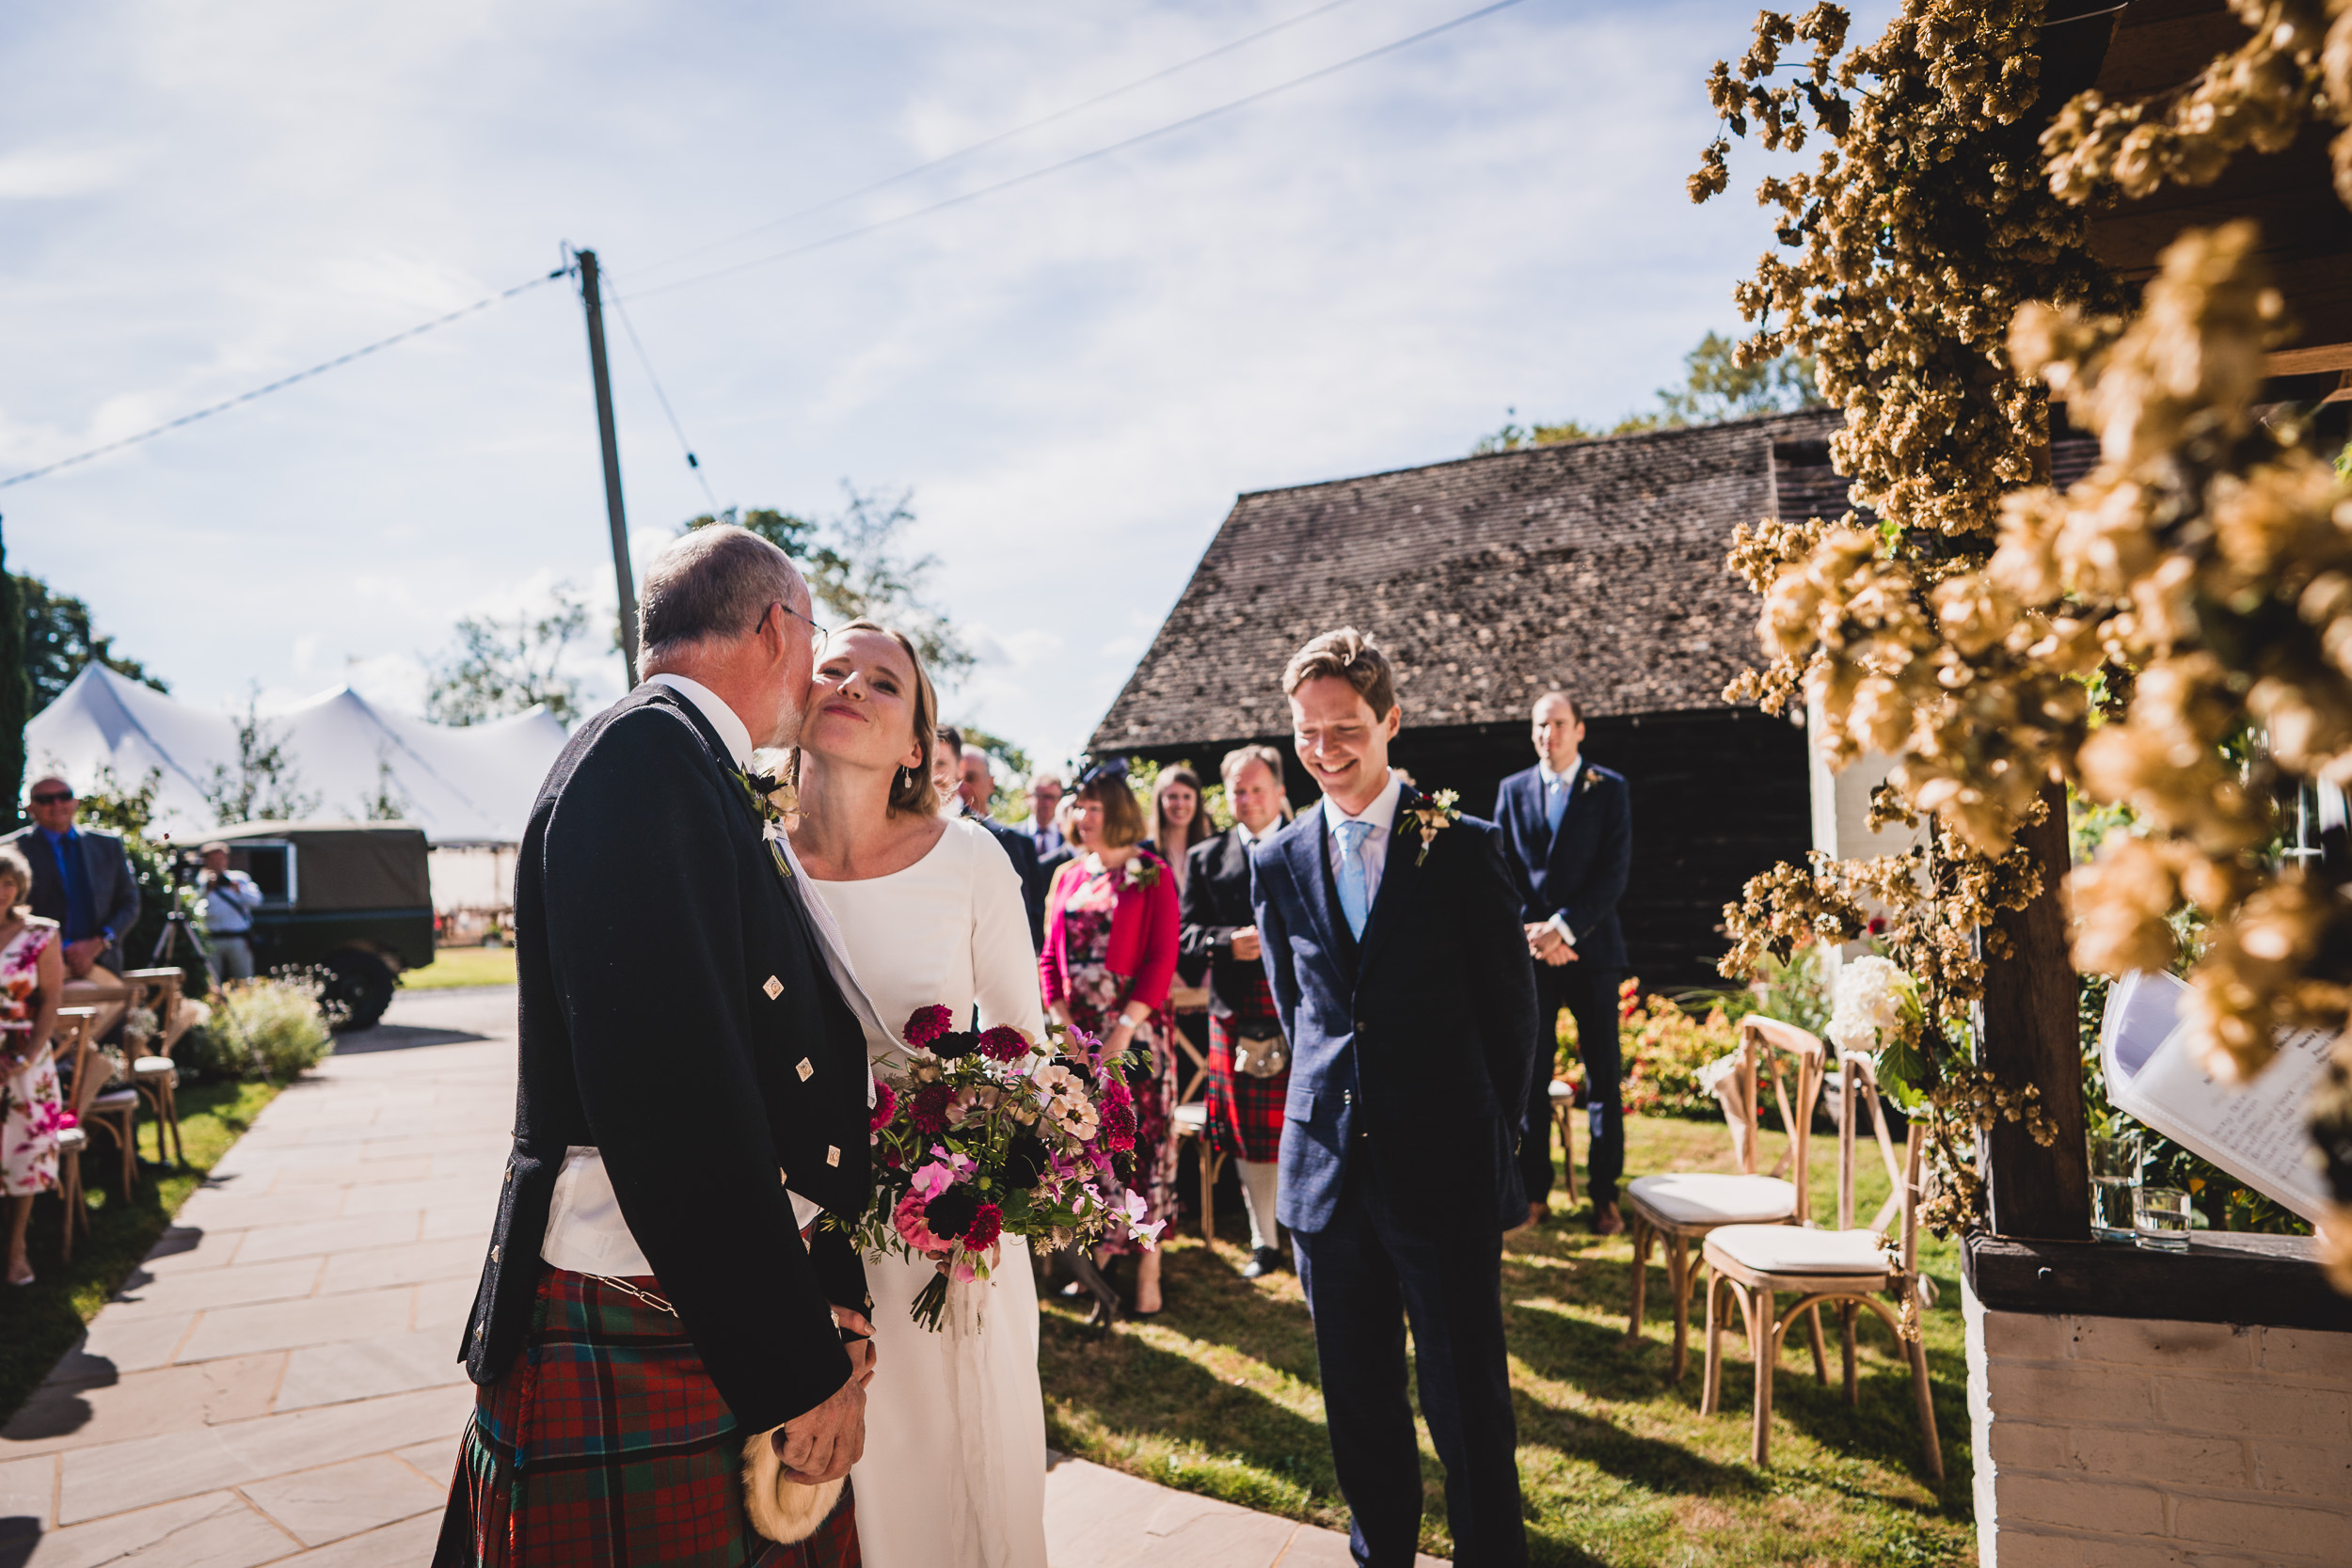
{"x":81,"y":880}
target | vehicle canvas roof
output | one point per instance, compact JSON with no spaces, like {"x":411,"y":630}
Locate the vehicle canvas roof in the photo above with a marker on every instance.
{"x":350,"y":865}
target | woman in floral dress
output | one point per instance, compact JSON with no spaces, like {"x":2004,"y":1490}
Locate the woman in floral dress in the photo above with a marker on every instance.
{"x":32,"y":975}
{"x":1110,"y":960}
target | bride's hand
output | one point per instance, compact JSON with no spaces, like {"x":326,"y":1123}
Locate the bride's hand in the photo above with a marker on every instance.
{"x":864,"y":1354}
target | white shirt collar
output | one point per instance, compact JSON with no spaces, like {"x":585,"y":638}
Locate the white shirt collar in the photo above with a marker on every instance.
{"x":1241,"y":831}
{"x":1566,"y":780}
{"x":1381,"y":814}
{"x":732,"y":730}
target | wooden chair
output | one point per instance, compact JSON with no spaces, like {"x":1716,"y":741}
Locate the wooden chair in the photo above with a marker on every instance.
{"x":1755,"y":1264}
{"x":153,"y":1075}
{"x":1191,"y":1111}
{"x":1683,"y":1207}
{"x":71,"y":1042}
{"x":97,"y":1103}
{"x":1563,"y":1117}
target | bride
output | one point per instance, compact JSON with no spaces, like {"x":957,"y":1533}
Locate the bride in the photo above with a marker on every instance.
{"x":929,"y":912}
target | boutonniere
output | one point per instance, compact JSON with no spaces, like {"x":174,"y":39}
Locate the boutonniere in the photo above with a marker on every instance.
{"x":777,"y":804}
{"x":1142,"y":872}
{"x":1429,"y":818}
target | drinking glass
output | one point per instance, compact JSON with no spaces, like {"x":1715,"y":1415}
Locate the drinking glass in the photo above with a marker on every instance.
{"x":2114,"y":1178}
{"x":2161,"y":1216}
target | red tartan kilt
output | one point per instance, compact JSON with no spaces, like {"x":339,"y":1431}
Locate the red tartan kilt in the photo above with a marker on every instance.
{"x":1245,"y":1113}
{"x":605,"y":1444}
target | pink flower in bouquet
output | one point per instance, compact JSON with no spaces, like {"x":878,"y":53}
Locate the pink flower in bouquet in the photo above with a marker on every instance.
{"x":1135,"y":1208}
{"x":987,"y":1225}
{"x":933,"y":1179}
{"x":930,"y":1108}
{"x":885,"y":1102}
{"x":1118,"y":1126}
{"x":1086,"y":1048}
{"x":928,"y":1024}
{"x":1114,"y":1092}
{"x":1004,"y":1043}
{"x":907,"y":1219}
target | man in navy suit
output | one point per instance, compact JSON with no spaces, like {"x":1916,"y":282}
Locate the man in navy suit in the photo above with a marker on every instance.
{"x":1568,"y":827}
{"x":1390,"y":934}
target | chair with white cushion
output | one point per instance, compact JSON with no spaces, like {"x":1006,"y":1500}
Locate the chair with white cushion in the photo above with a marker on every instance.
{"x":1851,"y":1267}
{"x":1683,"y":1207}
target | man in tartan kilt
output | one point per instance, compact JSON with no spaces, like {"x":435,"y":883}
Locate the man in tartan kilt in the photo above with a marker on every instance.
{"x":658,"y":1302}
{"x":1245,"y":1100}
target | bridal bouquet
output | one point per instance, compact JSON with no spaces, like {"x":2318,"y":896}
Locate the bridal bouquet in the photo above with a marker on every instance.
{"x":991,"y":1133}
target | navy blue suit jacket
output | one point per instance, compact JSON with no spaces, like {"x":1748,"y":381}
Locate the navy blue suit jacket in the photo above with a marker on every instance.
{"x":1578,"y":872}
{"x":1422,"y":1038}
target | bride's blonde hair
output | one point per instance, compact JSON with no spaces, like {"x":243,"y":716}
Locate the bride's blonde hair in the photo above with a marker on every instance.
{"x":911,"y":789}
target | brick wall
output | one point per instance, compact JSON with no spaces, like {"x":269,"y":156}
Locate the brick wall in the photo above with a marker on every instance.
{"x":2129,"y":1443}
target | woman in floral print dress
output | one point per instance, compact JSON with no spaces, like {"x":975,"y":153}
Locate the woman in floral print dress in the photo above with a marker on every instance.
{"x":1110,"y":960}
{"x":32,"y":976}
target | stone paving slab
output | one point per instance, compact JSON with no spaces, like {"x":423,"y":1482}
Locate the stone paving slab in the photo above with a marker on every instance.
{"x":277,"y":1381}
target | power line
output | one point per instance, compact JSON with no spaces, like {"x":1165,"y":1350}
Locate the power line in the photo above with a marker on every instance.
{"x":282,"y":383}
{"x":1138,"y":140}
{"x":944,"y":158}
{"x":605,"y":280}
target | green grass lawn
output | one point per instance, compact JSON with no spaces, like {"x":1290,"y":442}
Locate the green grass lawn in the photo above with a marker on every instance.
{"x":40,"y":1321}
{"x":463,"y":966}
{"x":1219,"y":1395}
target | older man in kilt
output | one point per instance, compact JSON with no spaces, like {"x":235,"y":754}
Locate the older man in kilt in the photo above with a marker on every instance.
{"x":1245,"y":1097}
{"x":658,"y":1300}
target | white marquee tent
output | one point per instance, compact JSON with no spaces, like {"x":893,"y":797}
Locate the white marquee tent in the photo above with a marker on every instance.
{"x":468,"y":786}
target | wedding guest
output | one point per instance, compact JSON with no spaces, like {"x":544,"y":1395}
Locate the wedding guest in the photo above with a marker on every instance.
{"x":1179,"y":820}
{"x":32,"y":976}
{"x":1050,"y":864}
{"x":81,"y":880}
{"x":1111,"y":940}
{"x":965,"y":785}
{"x":1245,"y":1108}
{"x":1045,"y":794}
{"x":1567,"y":832}
{"x":229,"y":900}
{"x":1401,"y":973}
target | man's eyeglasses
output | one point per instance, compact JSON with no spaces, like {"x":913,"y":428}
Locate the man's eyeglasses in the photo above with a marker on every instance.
{"x":52,"y":797}
{"x":816,"y":633}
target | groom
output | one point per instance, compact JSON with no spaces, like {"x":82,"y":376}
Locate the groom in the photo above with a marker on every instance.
{"x":1391,"y":933}
{"x":694,"y":1092}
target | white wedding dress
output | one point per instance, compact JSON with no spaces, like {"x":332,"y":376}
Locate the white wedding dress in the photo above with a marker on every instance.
{"x":954,"y":1470}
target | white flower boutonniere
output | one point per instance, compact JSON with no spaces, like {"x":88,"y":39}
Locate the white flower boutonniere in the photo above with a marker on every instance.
{"x":1142,"y":872}
{"x":777,"y":803}
{"x":1437,"y":813}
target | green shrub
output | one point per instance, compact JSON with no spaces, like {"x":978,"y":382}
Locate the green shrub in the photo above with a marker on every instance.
{"x":265,"y":1029}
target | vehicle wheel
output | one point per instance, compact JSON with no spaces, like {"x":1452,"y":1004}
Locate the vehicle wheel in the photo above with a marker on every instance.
{"x":359,"y":986}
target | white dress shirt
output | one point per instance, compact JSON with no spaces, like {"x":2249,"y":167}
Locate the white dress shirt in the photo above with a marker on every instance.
{"x":586,"y":1232}
{"x":1568,"y":788}
{"x":1381,"y":815}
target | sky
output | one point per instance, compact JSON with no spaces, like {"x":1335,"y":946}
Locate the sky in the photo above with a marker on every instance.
{"x":1073,"y":377}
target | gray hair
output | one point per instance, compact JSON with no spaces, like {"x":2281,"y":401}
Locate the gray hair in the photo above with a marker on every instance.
{"x":716,"y":582}
{"x":1242,"y":757}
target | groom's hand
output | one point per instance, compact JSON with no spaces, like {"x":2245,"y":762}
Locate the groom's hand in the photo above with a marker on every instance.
{"x":823,"y":1444}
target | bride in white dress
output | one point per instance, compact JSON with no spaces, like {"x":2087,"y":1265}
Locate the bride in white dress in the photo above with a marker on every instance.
{"x":929,"y":911}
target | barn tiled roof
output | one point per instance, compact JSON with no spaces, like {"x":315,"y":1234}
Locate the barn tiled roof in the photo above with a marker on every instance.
{"x":1598,"y":564}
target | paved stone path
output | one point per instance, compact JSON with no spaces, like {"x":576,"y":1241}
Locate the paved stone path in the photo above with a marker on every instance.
{"x":277,"y":1381}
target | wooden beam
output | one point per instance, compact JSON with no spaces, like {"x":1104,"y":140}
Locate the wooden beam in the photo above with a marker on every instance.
{"x":2030,"y":1038}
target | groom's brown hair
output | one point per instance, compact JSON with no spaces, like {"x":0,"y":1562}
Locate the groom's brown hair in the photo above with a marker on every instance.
{"x":1349,"y":654}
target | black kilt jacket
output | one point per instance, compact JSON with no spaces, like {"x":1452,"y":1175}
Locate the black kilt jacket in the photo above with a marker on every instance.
{"x":676,"y":1013}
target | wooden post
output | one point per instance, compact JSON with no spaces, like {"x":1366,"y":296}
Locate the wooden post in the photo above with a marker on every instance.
{"x":2030,"y":1038}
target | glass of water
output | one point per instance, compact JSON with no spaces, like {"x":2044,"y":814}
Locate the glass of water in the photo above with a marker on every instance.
{"x":2114,"y":1178}
{"x":2161,"y":1216}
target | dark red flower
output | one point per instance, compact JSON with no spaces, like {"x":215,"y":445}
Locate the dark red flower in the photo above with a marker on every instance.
{"x":954,"y":1044}
{"x":885,"y":1102}
{"x":1119,"y":1127}
{"x":927,"y":1025}
{"x":930,"y":1115}
{"x":1004,"y":1043}
{"x":951,"y":1213}
{"x":1114,"y":1092}
{"x":988,"y":1223}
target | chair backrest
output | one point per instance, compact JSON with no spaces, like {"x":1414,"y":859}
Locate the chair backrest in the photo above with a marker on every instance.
{"x":1858,"y":1082}
{"x":159,"y":992}
{"x":1795,"y":1059}
{"x":75,"y":1045}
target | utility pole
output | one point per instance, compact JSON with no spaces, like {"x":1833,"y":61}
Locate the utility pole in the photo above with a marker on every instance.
{"x":592,"y":296}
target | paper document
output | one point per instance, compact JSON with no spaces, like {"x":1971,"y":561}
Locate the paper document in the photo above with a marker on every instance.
{"x":2256,"y":1132}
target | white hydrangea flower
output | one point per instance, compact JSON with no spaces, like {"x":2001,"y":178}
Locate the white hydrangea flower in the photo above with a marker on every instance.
{"x":1869,"y":1003}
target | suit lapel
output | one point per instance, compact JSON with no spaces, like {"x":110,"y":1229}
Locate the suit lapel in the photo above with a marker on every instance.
{"x":1398,"y":878}
{"x":1309,"y":857}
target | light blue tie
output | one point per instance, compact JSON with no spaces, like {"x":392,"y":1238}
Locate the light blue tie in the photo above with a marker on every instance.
{"x":1355,"y":896}
{"x":1555,"y":800}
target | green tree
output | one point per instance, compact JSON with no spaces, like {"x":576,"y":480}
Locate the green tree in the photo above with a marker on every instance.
{"x":59,"y":639}
{"x":16,"y":694}
{"x":857,"y":566}
{"x":386,"y":801}
{"x":500,"y":668}
{"x":265,"y":786}
{"x":1715,"y":388}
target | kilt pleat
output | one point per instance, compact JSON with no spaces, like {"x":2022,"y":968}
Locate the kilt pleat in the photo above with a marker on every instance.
{"x":1245,"y":1113}
{"x":605,"y":1444}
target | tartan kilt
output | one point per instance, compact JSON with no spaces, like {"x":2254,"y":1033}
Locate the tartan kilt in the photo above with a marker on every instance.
{"x":1245,"y":1113}
{"x":605,"y":1444}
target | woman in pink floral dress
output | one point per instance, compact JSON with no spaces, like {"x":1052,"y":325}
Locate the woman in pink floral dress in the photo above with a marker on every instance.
{"x":1109,"y":958}
{"x":32,"y":975}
